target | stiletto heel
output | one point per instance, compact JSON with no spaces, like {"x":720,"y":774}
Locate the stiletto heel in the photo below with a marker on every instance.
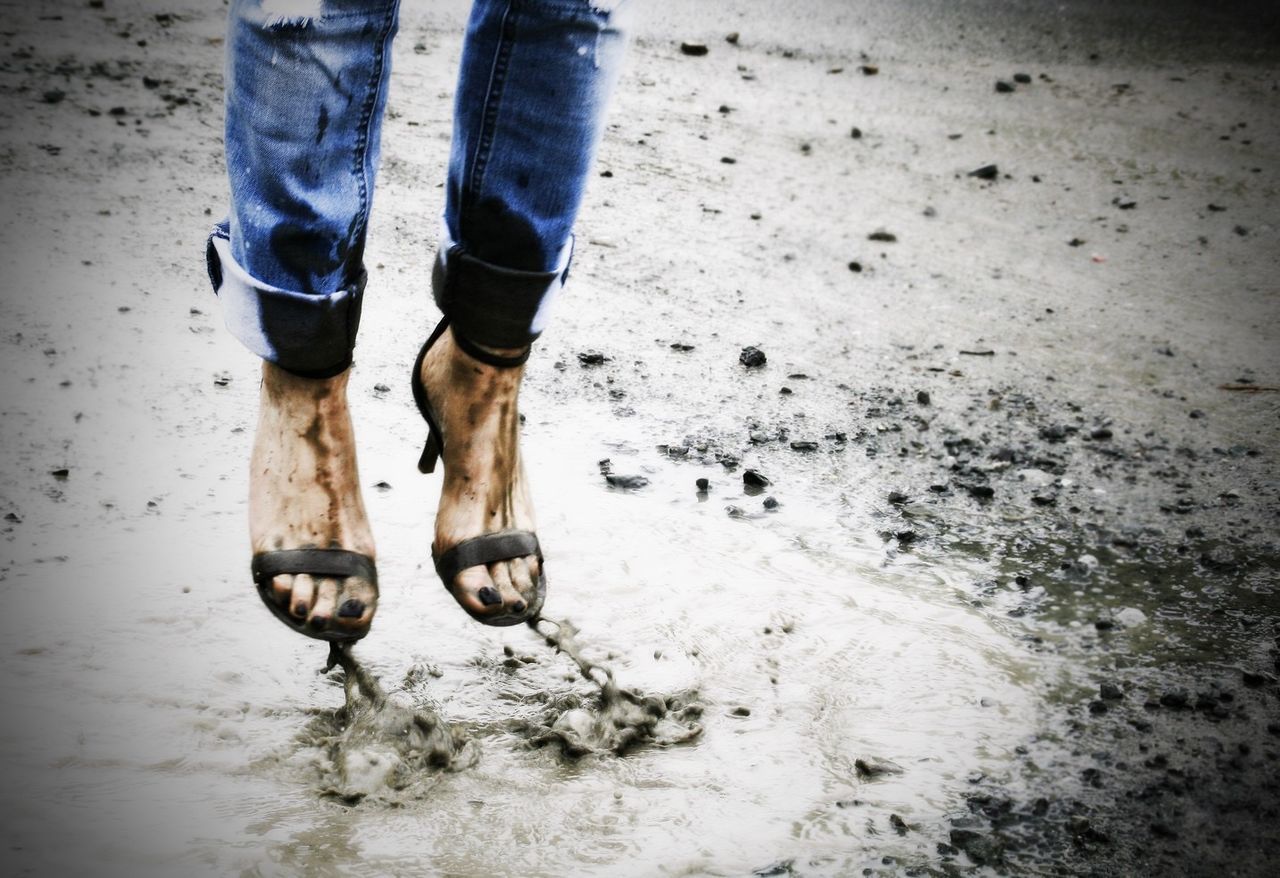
{"x":430,"y":453}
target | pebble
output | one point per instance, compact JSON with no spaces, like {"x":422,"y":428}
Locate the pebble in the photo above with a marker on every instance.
{"x":923,"y":398}
{"x":752,"y":357}
{"x":881,"y":235}
{"x":694,"y":49}
{"x":1022,"y":78}
{"x":703,"y":484}
{"x":755,"y":479}
{"x":986,"y":172}
{"x":592,"y":358}
{"x":804,"y":445}
{"x":1003,"y":87}
{"x":626,"y":483}
{"x":771,"y":502}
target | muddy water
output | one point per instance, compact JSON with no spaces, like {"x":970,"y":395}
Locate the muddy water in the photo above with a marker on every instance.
{"x":178,"y":727}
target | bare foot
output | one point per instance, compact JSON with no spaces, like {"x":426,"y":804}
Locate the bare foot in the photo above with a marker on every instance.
{"x":304,"y":492}
{"x":484,"y":488}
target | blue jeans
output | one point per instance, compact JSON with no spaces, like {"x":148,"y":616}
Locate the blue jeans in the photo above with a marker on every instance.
{"x":304,"y":102}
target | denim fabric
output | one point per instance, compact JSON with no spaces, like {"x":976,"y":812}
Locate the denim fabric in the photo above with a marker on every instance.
{"x":306,"y":87}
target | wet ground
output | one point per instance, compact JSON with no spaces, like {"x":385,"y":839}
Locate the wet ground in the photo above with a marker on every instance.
{"x":1004,"y":601}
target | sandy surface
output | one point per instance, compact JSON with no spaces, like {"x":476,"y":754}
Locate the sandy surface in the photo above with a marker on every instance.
{"x":1023,"y":458}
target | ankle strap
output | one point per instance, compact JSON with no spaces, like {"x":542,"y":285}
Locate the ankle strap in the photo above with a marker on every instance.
{"x":476,"y":352}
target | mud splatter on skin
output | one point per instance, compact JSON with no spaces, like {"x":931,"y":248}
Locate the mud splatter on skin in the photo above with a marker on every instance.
{"x":616,"y":720}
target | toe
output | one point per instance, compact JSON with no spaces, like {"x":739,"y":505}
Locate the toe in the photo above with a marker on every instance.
{"x":474,"y":589}
{"x":356,"y":603}
{"x":281,"y":588}
{"x":326,"y":605}
{"x":511,"y":598}
{"x":303,"y":596}
{"x":522,"y":579}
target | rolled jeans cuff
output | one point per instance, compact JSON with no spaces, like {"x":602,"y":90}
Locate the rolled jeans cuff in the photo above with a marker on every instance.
{"x":308,"y":335}
{"x":491,"y":305}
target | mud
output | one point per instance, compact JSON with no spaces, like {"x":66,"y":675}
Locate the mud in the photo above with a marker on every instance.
{"x":972,"y":571}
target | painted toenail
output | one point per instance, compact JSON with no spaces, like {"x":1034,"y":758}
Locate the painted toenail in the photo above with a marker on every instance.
{"x":350,"y":609}
{"x":517,"y":607}
{"x":300,"y":609}
{"x":318,"y":622}
{"x":488,"y":596}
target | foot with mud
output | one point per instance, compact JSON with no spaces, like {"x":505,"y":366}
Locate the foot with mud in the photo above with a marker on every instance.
{"x":304,"y":493}
{"x":484,"y":491}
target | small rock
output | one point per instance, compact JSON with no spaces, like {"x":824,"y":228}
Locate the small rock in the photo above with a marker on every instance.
{"x":771,"y":502}
{"x":703,"y":485}
{"x":855,"y":267}
{"x":869,"y":69}
{"x":899,"y":825}
{"x":740,"y":711}
{"x":881,"y":235}
{"x":1253,"y":679}
{"x":873,"y":767}
{"x":804,"y":445}
{"x":694,"y":49}
{"x":855,"y":132}
{"x":752,"y":357}
{"x":1110,"y":691}
{"x":732,"y":39}
{"x":1003,"y":87}
{"x":592,"y":358}
{"x":986,"y":172}
{"x":53,"y":96}
{"x":1022,"y":78}
{"x":897,"y":498}
{"x":754,"y":479}
{"x":1175,"y":699}
{"x":922,"y":397}
{"x":1101,"y":434}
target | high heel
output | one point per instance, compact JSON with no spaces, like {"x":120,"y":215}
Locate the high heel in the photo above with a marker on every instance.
{"x":486,"y":548}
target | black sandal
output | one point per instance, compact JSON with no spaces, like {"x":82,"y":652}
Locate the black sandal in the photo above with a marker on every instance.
{"x":333,"y":563}
{"x":486,"y":548}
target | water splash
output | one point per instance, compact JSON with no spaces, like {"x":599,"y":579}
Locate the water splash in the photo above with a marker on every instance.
{"x":615,"y":720}
{"x":378,"y":745}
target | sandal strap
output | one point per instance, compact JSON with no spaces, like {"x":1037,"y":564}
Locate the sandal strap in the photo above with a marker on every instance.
{"x":316,"y":562}
{"x":485,"y":549}
{"x":476,"y":352}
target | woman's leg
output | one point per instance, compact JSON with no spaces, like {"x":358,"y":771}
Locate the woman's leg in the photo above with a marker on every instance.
{"x":535,"y":80}
{"x":304,"y":100}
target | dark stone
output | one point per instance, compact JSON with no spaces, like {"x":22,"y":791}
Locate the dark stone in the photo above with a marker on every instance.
{"x":728,"y":160}
{"x":694,"y":49}
{"x":855,"y":133}
{"x":982,"y":849}
{"x":1022,"y":78}
{"x":899,"y":825}
{"x":855,"y":267}
{"x":592,"y":358}
{"x":982,"y":492}
{"x":869,"y":69}
{"x":771,"y":502}
{"x":886,"y":237}
{"x":741,"y":711}
{"x":897,"y":498}
{"x":1097,"y":708}
{"x":1252,"y":679}
{"x":1110,"y":691}
{"x":754,"y":479}
{"x":1124,"y":202}
{"x":626,"y":483}
{"x":986,"y":172}
{"x":752,"y":357}
{"x":53,"y":96}
{"x":703,"y":484}
{"x":1003,"y":87}
{"x":1175,"y":699}
{"x":1100,"y":434}
{"x":872,"y":767}
{"x":923,"y":398}
{"x":732,"y":39}
{"x":804,"y":445}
